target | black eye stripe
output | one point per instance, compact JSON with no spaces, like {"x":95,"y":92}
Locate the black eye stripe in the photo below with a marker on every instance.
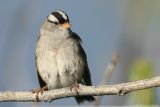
{"x":66,"y":15}
{"x":59,"y":17}
{"x":52,"y":22}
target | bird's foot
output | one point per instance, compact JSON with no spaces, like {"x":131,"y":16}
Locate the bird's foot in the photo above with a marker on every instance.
{"x":74,"y":87}
{"x":40,"y":90}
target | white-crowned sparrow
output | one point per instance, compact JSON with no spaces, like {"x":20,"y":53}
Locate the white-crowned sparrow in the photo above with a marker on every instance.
{"x":60,"y":58}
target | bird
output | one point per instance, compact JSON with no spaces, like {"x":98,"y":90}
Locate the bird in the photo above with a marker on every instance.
{"x":60,"y":58}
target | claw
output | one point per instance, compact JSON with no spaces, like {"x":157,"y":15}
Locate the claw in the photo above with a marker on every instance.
{"x":40,"y":90}
{"x":74,"y":87}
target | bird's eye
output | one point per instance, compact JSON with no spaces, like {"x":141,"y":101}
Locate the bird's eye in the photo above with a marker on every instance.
{"x":56,"y":23}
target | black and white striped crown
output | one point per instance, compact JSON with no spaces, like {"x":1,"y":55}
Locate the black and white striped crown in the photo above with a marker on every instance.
{"x":58,"y":17}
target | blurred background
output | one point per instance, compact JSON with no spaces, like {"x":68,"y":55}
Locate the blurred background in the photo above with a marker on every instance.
{"x":130,"y":26}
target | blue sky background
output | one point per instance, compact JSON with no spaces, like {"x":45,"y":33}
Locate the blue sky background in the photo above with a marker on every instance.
{"x":130,"y":26}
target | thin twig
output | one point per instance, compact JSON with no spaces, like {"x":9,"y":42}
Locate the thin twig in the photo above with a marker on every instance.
{"x":107,"y":74}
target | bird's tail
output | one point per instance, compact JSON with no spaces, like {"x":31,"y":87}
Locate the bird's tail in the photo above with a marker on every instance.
{"x":81,"y":99}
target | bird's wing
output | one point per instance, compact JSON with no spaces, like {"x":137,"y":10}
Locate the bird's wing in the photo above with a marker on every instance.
{"x":41,"y":82}
{"x":86,"y":78}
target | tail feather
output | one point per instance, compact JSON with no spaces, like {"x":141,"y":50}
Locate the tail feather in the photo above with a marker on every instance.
{"x":81,"y":99}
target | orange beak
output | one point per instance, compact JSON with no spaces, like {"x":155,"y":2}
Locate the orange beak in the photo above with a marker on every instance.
{"x":66,"y":25}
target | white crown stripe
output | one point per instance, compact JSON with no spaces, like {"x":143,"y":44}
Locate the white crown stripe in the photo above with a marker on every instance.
{"x":52,"y":18}
{"x":63,"y":14}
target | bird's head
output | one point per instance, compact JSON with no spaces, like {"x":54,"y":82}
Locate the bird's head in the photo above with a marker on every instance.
{"x":59,"y":18}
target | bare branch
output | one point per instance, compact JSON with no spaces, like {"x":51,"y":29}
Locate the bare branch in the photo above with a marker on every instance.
{"x":107,"y":74}
{"x":110,"y":68}
{"x":117,"y":89}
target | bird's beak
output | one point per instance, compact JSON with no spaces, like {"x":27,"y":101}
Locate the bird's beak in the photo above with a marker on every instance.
{"x":66,"y":25}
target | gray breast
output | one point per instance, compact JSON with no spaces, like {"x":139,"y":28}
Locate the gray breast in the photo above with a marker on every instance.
{"x":58,"y":61}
